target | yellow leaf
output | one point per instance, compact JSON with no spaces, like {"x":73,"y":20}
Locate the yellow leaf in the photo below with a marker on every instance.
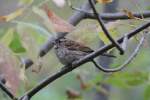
{"x":104,"y":38}
{"x":23,"y":2}
{"x":12,"y":15}
{"x":129,"y":14}
{"x":112,"y":28}
{"x":6,"y":39}
{"x":104,"y":1}
{"x":22,"y":74}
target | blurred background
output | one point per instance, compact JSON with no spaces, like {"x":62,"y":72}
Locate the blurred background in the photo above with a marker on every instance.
{"x":23,"y":37}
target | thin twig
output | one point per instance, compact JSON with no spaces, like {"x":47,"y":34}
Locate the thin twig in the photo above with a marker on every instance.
{"x":125,"y":42}
{"x":117,"y":16}
{"x":78,"y":9}
{"x":104,"y":28}
{"x":4,"y":88}
{"x":125,"y":63}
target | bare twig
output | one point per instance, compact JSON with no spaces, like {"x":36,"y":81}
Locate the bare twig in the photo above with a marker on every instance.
{"x":109,"y":16}
{"x":78,"y":9}
{"x":118,"y":15}
{"x":125,"y":63}
{"x":4,"y":88}
{"x":125,"y":42}
{"x":104,"y":28}
{"x":24,"y":98}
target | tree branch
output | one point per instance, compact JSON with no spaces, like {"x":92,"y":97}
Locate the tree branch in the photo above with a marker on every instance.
{"x":107,"y":70}
{"x":118,"y":15}
{"x":99,"y":19}
{"x":4,"y":88}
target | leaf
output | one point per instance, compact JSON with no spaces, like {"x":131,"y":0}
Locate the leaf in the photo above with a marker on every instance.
{"x":13,"y":41}
{"x":136,"y":78}
{"x":72,"y":94}
{"x":22,"y":2}
{"x":104,"y":1}
{"x":22,"y":74}
{"x":16,"y":45}
{"x":8,"y":69}
{"x":34,"y":26}
{"x":104,"y":38}
{"x":44,"y":17}
{"x":124,"y":43}
{"x":147,"y":93}
{"x":129,"y":14}
{"x":112,"y":28}
{"x":6,"y":39}
{"x":59,"y":24}
{"x":128,"y":79}
{"x":12,"y":15}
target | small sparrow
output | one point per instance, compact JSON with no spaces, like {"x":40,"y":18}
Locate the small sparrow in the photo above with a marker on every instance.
{"x":69,"y":51}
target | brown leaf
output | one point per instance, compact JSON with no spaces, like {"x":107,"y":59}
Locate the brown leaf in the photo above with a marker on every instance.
{"x":58,"y":23}
{"x":8,"y":69}
{"x":12,"y":15}
{"x":129,"y":14}
{"x":104,"y":1}
{"x":72,"y":94}
{"x":83,"y":84}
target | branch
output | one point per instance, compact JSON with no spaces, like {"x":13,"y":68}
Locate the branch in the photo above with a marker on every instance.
{"x":104,"y":28}
{"x":125,"y":63}
{"x":4,"y":88}
{"x":109,"y":16}
{"x":76,"y":64}
{"x":118,"y":15}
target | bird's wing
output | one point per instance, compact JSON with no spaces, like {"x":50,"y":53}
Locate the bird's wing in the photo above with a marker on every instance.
{"x":73,"y":45}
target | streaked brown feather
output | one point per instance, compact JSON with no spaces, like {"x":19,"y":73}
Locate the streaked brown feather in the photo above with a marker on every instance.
{"x":72,"y":45}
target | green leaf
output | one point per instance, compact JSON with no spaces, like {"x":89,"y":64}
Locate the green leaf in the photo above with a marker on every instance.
{"x":98,"y":78}
{"x":6,"y":39}
{"x":136,"y":78}
{"x":16,"y":45}
{"x":113,"y":33}
{"x":147,"y":93}
{"x":22,"y":2}
{"x":128,"y":79}
{"x":34,"y":26}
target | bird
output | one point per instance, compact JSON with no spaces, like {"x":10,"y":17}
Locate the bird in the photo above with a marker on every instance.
{"x":69,"y":51}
